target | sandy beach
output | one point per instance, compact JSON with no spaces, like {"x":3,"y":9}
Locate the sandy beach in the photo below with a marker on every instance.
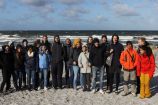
{"x":71,"y":97}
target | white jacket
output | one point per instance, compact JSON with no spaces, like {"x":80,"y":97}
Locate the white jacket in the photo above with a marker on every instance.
{"x":84,"y":63}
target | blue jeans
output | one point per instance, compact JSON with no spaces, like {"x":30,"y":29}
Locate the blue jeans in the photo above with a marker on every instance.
{"x":71,"y":75}
{"x":94,"y":76}
{"x":76,"y":73}
{"x":43,"y":77}
{"x":18,"y":75}
{"x":30,"y":77}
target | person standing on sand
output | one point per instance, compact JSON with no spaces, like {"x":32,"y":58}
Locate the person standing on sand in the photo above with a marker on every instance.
{"x":145,"y":70}
{"x":128,"y":60}
{"x":116,"y":49}
{"x":7,"y":62}
{"x":85,"y":67}
{"x":96,"y":59}
{"x":24,"y":50}
{"x":142,"y":42}
{"x":74,"y":54}
{"x":58,"y":53}
{"x":48,"y":46}
{"x":18,"y":65}
{"x":106,"y":45}
{"x":155,"y":52}
{"x":68,"y":66}
{"x":44,"y":62}
{"x":30,"y":67}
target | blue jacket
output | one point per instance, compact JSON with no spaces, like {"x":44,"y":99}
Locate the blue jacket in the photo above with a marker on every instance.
{"x":44,"y":60}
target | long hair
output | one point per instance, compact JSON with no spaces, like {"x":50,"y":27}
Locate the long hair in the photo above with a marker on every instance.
{"x":113,"y":37}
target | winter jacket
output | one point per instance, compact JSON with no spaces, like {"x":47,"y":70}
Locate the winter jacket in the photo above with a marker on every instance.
{"x":83,"y":62}
{"x":7,"y":61}
{"x":44,"y":60}
{"x":67,"y":49}
{"x":58,"y":52}
{"x":74,"y":54}
{"x":18,"y":61}
{"x":146,"y":65}
{"x":30,"y":62}
{"x":128,"y":59}
{"x":117,"y":50}
{"x":97,"y":56}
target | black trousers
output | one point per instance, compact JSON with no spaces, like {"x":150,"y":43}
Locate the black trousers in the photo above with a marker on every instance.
{"x":67,"y":67}
{"x":138,"y":84}
{"x":57,"y":71}
{"x":111,"y":80}
{"x":6,"y":79}
{"x":87,"y":80}
{"x":107,"y":76}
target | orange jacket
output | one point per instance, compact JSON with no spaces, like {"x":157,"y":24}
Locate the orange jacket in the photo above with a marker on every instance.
{"x":129,"y":59}
{"x":146,"y":65}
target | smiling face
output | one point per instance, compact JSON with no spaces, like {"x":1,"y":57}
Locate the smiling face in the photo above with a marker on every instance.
{"x":56,"y":39}
{"x":103,"y":40}
{"x":90,"y":40}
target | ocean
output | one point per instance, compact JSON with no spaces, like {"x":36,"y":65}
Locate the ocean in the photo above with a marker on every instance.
{"x":31,"y":35}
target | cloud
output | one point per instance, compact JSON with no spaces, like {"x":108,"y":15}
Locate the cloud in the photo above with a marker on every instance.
{"x":101,"y":18}
{"x":124,"y":10}
{"x":71,"y":2}
{"x":74,"y":12}
{"x":39,"y":5}
{"x":1,"y":3}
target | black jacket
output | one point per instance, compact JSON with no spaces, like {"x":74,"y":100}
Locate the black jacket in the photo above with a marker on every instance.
{"x":97,"y":56}
{"x":58,"y":52}
{"x":67,"y":49}
{"x":18,"y":61}
{"x":74,"y":54}
{"x":118,"y":48}
{"x":7,"y":61}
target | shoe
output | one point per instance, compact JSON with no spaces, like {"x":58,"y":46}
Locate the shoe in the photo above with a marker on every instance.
{"x":141,"y":97}
{"x":134,"y":94}
{"x":38,"y":88}
{"x":93,"y":91}
{"x":149,"y":96}
{"x":45,"y":88}
{"x":101,"y":91}
{"x":108,"y":91}
{"x":124,"y":94}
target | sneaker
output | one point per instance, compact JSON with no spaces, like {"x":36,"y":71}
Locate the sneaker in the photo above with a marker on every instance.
{"x":45,"y":88}
{"x":124,"y":94}
{"x":38,"y":88}
{"x":101,"y":91}
{"x":134,"y":94}
{"x":93,"y":91}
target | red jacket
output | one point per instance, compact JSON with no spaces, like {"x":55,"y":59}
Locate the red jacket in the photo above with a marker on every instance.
{"x":146,"y":65}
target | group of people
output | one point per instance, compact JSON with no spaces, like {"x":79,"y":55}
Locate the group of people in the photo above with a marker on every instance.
{"x":31,"y":66}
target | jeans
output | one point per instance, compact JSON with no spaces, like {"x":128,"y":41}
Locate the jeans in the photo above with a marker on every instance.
{"x":30,"y":77}
{"x":70,"y":75}
{"x":76,"y":73}
{"x":43,"y":77}
{"x":94,"y":76}
{"x":18,"y":74}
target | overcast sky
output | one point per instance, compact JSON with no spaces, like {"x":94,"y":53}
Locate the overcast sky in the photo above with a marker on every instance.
{"x":79,"y":14}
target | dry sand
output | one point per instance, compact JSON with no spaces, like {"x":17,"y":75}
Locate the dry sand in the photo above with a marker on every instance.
{"x":71,"y":97}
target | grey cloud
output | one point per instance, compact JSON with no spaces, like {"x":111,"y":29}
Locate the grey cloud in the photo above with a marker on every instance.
{"x":70,"y":2}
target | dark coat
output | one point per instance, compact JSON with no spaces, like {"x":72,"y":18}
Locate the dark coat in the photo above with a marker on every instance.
{"x":58,"y":52}
{"x":67,"y":49}
{"x":7,"y":61}
{"x":30,"y":62}
{"x":74,"y":54}
{"x":97,"y":56}
{"x":116,"y":65}
{"x":19,"y":61}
